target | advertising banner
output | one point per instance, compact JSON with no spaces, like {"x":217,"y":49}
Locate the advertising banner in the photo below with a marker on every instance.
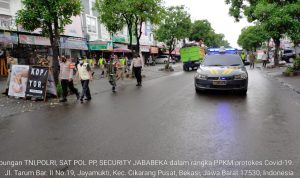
{"x":73,"y":43}
{"x":51,"y":89}
{"x":34,"y":40}
{"x":18,"y":80}
{"x":154,"y":50}
{"x":37,"y":81}
{"x":8,"y":37}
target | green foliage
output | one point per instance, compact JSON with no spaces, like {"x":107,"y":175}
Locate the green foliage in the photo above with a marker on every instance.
{"x":59,"y":89}
{"x":175,"y":25}
{"x":296,"y":62}
{"x":108,"y":15}
{"x":114,"y":14}
{"x":201,"y":29}
{"x":252,"y":37}
{"x":46,"y":14}
{"x":51,"y":16}
{"x":276,"y":17}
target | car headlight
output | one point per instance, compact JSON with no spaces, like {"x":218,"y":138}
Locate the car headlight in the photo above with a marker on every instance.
{"x":201,"y":76}
{"x":241,"y":76}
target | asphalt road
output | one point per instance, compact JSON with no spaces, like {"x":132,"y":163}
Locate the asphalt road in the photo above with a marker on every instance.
{"x":163,"y":120}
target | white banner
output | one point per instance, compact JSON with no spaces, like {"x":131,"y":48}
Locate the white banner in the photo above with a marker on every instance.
{"x":18,"y":80}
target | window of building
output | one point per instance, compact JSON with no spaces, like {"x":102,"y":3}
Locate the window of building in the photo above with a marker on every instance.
{"x":91,"y":23}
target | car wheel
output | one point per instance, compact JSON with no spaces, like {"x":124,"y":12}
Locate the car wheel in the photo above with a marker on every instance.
{"x":243,"y":92}
{"x":185,"y":68}
{"x":291,"y":59}
{"x":198,"y":91}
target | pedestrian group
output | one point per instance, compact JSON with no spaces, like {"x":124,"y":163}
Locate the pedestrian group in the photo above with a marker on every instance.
{"x":113,"y":68}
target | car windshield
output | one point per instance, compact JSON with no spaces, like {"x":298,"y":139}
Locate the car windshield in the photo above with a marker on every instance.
{"x":222,"y":60}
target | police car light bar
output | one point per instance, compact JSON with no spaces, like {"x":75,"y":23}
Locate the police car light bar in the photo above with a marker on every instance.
{"x":211,"y":51}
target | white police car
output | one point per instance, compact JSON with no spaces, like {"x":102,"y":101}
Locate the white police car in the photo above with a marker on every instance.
{"x":222,"y":69}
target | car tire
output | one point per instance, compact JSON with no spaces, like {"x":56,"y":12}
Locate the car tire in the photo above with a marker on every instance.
{"x":243,"y":92}
{"x":185,"y":68}
{"x":198,"y":91}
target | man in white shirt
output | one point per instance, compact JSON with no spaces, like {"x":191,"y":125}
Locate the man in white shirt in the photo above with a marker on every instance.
{"x":136,"y":65}
{"x":85,"y":74}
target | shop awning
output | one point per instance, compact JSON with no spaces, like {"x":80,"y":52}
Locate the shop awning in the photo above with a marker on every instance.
{"x":122,"y":50}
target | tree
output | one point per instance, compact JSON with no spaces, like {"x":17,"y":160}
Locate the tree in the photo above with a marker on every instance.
{"x":175,"y":26}
{"x":276,"y":17}
{"x":51,"y":16}
{"x":133,"y":13}
{"x":252,"y":37}
{"x":113,"y":22}
{"x":201,"y":29}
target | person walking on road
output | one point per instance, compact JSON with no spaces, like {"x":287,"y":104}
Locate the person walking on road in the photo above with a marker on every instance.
{"x":102,"y":66}
{"x":243,"y":56}
{"x":264,"y":59}
{"x":111,"y":70}
{"x":252,"y":59}
{"x":66,"y":78}
{"x":136,"y":65}
{"x":85,"y":74}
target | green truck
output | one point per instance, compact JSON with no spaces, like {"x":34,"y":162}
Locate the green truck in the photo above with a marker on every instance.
{"x":191,"y":57}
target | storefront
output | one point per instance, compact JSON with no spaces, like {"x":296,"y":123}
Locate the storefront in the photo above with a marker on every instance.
{"x":73,"y":47}
{"x":32,"y":47}
{"x":100,"y":48}
{"x":145,"y":50}
{"x":7,"y":41}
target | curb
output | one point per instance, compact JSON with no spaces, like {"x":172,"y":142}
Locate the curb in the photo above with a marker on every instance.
{"x":281,"y":81}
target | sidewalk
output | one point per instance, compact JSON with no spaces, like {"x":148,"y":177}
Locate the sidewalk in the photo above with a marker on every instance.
{"x":11,"y":106}
{"x":276,"y":73}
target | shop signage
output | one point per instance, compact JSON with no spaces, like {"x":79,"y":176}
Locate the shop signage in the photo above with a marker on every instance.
{"x":145,"y":48}
{"x":34,"y":40}
{"x":8,"y":37}
{"x":100,"y":45}
{"x":73,"y":43}
{"x":118,"y":39}
{"x":154,"y":50}
{"x":121,"y":46}
{"x":31,"y":81}
{"x":37,"y":81}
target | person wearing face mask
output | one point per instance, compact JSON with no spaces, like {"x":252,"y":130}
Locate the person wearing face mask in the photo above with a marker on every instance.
{"x":66,"y":78}
{"x":84,"y":72}
{"x":136,"y":66}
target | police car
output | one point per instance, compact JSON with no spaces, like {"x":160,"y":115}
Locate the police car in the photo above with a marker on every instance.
{"x":222,"y":69}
